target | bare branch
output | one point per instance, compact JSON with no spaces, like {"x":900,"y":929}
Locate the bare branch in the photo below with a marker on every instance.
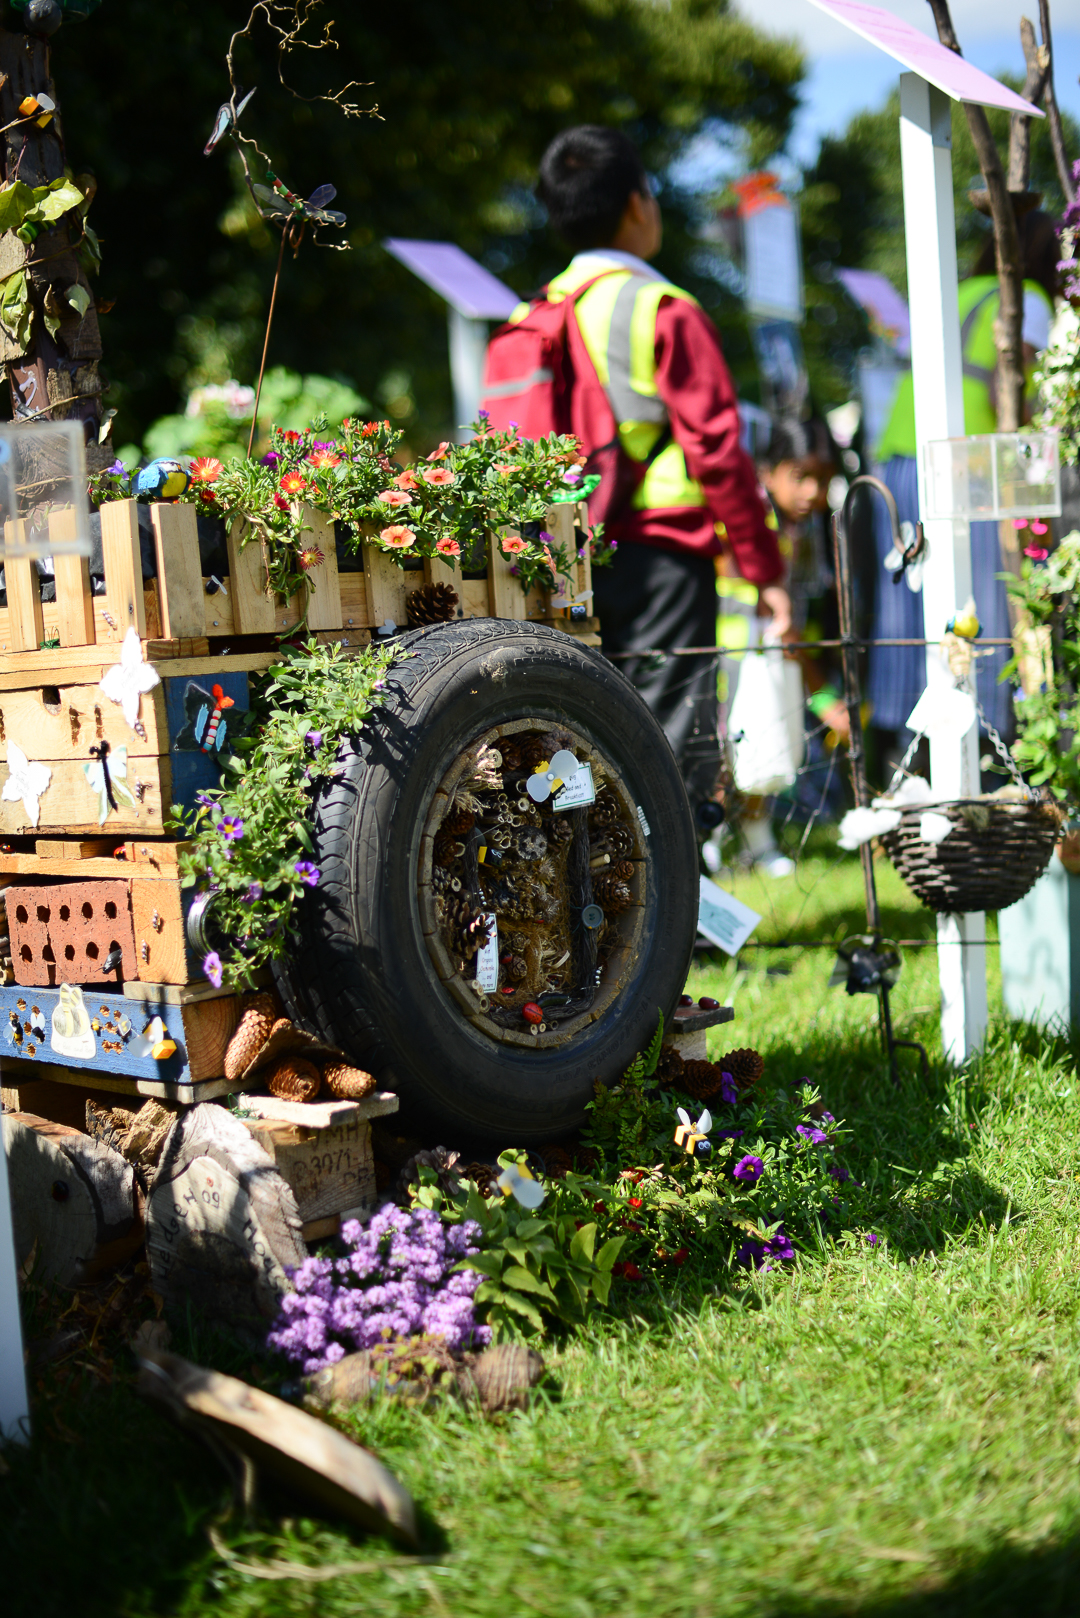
{"x":1009,"y":323}
{"x":1053,"y":115}
{"x":288,"y":22}
{"x":1037,"y":58}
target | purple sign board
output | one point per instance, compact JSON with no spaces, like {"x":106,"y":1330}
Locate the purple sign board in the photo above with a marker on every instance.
{"x":924,"y":56}
{"x":888,"y":311}
{"x":465,"y":284}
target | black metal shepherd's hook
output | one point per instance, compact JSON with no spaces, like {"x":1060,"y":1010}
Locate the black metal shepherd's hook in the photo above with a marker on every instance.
{"x":849,"y":654}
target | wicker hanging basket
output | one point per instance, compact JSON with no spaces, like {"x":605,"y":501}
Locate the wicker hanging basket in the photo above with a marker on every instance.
{"x":994,"y":854}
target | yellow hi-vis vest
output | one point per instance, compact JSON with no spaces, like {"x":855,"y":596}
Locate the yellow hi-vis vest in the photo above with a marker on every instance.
{"x":617,"y":321}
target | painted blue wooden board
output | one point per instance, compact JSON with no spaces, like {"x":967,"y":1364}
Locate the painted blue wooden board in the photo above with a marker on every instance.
{"x":1040,"y":951}
{"x":193,"y":768}
{"x":33,"y":1009}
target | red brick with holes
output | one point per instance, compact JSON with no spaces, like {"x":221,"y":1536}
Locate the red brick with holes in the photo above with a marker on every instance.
{"x":64,"y":932}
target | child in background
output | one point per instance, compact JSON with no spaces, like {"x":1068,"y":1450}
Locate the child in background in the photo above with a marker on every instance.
{"x":795,"y":471}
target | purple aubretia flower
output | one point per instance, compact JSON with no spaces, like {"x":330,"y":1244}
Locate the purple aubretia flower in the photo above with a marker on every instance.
{"x":314,"y":739}
{"x":117,"y":470}
{"x":815,"y":1137}
{"x":482,"y":415}
{"x":749,"y":1169}
{"x":232,"y":828}
{"x":309,"y":874}
{"x":212,"y":967}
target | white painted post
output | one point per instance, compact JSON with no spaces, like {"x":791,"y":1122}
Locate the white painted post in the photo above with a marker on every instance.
{"x":936,"y":364}
{"x":14,"y":1407}
{"x":468,"y":346}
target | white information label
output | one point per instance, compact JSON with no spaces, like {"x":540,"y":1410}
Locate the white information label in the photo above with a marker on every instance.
{"x":579,"y":790}
{"x":724,"y":920}
{"x":487,"y":960}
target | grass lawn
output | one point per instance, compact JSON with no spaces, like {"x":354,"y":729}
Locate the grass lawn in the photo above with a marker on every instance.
{"x":883,"y":1429}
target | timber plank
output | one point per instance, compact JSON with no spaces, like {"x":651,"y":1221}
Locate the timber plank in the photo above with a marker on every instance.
{"x":123,"y":565}
{"x":159,"y":908}
{"x":82,"y":718}
{"x":253,"y":606}
{"x":385,"y":587}
{"x":74,"y":603}
{"x":118,"y":1084}
{"x":505,"y":596}
{"x":324,"y":602}
{"x":179,"y":571}
{"x":68,"y":803}
{"x":25,"y":623}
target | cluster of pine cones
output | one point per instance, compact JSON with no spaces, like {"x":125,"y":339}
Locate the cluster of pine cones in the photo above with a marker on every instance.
{"x":703,"y":1080}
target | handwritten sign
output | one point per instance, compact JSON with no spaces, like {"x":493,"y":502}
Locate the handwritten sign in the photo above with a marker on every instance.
{"x":578,"y":791}
{"x":487,"y":960}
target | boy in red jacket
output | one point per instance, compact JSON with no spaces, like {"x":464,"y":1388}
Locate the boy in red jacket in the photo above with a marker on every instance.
{"x":657,"y":357}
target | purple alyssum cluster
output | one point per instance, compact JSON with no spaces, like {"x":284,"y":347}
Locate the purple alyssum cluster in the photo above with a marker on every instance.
{"x":397,"y":1280}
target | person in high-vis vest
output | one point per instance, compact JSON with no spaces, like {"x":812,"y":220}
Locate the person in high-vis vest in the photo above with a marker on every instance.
{"x":657,"y":357}
{"x":898,"y":673}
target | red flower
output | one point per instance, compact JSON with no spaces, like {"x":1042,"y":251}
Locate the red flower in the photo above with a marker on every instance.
{"x":397,"y":537}
{"x":292,"y":483}
{"x":205,"y":469}
{"x":322,"y":458}
{"x":291,"y":437}
{"x":394,"y":497}
{"x":447,"y":546}
{"x":511,"y":544}
{"x":682,"y":1255}
{"x":599,"y":1207}
{"x":440,"y":453}
{"x":369,"y":428}
{"x":312,"y":557}
{"x":281,"y":502}
{"x":630,"y":1271}
{"x":634,"y":1202}
{"x":439,"y":475}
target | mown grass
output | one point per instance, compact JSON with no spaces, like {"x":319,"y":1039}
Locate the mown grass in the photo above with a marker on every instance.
{"x":889,"y":1429}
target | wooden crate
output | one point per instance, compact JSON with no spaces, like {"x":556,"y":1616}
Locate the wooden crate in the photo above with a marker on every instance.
{"x":322,"y":1149}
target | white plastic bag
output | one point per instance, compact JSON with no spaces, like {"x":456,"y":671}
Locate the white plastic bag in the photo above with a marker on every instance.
{"x":768,"y":711}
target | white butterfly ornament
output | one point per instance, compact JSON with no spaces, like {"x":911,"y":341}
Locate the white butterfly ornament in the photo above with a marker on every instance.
{"x":26,"y":781}
{"x":126,"y":681}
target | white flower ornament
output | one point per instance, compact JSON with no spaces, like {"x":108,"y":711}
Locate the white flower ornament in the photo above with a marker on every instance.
{"x":126,"y":681}
{"x":550,"y":777}
{"x":516,"y":1181}
{"x":26,"y":781}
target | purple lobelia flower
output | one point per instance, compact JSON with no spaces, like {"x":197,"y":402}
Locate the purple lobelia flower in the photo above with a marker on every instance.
{"x":749,"y":1169}
{"x":397,"y":1279}
{"x":728,"y":1088}
{"x":254,"y":893}
{"x":313,"y":739}
{"x":205,"y":799}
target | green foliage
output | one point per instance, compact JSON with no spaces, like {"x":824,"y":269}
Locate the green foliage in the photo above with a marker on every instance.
{"x":644,"y":1064}
{"x":1048,"y":720}
{"x":259,"y":872}
{"x":213,"y":426}
{"x":1059,"y":386}
{"x":467,"y":107}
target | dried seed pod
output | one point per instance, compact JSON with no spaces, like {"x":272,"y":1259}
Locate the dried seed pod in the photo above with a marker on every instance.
{"x":295,"y":1079}
{"x":517,"y":968}
{"x":431,"y":604}
{"x":441,"y":880}
{"x":447,"y":849}
{"x":347,"y":1083}
{"x":530,"y":843}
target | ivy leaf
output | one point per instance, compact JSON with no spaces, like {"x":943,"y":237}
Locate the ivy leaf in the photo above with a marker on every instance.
{"x":15,"y":199}
{"x":50,"y":202}
{"x":16,"y":315}
{"x":79,"y":299}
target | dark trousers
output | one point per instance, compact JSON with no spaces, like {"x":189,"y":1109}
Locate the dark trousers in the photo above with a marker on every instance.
{"x":648,"y":600}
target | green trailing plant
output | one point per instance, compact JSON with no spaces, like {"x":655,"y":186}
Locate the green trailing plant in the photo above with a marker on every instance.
{"x":251,"y":841}
{"x":1047,"y":592}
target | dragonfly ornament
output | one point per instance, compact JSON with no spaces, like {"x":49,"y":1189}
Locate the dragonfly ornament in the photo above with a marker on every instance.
{"x":126,"y":681}
{"x":106,"y":776}
{"x":276,"y":201}
{"x":226,"y":120}
{"x":26,"y":781}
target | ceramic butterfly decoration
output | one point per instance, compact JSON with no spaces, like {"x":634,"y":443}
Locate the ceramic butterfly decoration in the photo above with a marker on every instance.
{"x":550,"y":777}
{"x":126,"y":681}
{"x":26,"y":781}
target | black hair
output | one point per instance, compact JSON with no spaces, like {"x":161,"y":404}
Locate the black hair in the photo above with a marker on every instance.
{"x":793,"y":440}
{"x":1039,"y":249}
{"x":587,"y":176}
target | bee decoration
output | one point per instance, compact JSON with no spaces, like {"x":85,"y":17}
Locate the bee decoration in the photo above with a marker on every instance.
{"x":693,"y":1137}
{"x":37,"y":1022}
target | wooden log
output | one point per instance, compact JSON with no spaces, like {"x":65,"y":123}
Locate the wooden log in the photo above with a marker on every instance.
{"x":506,"y":599}
{"x":324,"y":601}
{"x":59,"y":1103}
{"x":48,"y":1025}
{"x":221,"y":1223}
{"x":181,"y":599}
{"x":123,"y":565}
{"x":25,"y":623}
{"x":72,"y":1196}
{"x":252,"y":604}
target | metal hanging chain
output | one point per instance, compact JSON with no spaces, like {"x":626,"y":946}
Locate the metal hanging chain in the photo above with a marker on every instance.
{"x":1002,"y":751}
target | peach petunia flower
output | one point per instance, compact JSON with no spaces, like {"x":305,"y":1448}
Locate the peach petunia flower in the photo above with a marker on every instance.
{"x":440,"y":454}
{"x":395,"y":497}
{"x":397,"y":537}
{"x":440,"y":476}
{"x":407,"y":480}
{"x":511,"y":544}
{"x":447,"y":546}
{"x":205,"y":469}
{"x":505,"y":471}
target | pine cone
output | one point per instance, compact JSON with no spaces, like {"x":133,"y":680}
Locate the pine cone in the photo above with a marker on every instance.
{"x":617,"y":840}
{"x":258,"y":1017}
{"x":557,"y":1162}
{"x":482,"y":1175}
{"x":431,"y":604}
{"x":605,"y":811}
{"x":669,"y":1069}
{"x":294,"y":1079}
{"x":465,"y":928}
{"x":511,"y":756}
{"x":700,"y":1080}
{"x":448,"y":848}
{"x":610,"y":893}
{"x":347,"y":1083}
{"x":560,"y":830}
{"x":622,"y":869}
{"x":536,"y":748}
{"x":745,"y":1066}
{"x":516,"y":968}
{"x":458,"y":823}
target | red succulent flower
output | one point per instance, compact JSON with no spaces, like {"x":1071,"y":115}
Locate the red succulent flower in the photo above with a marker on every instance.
{"x":311,"y":557}
{"x":293,"y":482}
{"x":205,"y":469}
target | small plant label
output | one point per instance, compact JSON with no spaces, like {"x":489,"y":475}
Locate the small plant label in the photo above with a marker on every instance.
{"x":724,"y":920}
{"x":577,"y":792}
{"x":487,"y":960}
